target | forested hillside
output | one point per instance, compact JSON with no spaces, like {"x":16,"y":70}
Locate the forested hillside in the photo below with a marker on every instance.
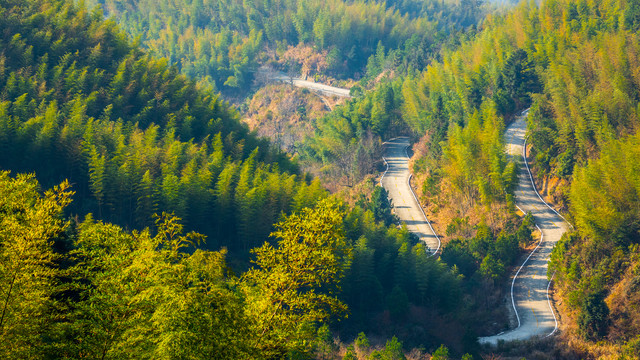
{"x":93,"y":290}
{"x":133,"y":136}
{"x":87,"y":270}
{"x":133,"y":152}
{"x":576,"y":64}
{"x":221,"y":43}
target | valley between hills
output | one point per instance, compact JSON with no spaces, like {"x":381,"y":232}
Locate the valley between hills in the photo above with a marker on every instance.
{"x":336,"y":179}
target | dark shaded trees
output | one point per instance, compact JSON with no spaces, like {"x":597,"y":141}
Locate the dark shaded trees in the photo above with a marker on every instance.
{"x":593,"y":320}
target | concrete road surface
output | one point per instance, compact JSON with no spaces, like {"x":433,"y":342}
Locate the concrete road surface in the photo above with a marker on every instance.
{"x":396,"y":181}
{"x":324,"y":89}
{"x":530,"y":287}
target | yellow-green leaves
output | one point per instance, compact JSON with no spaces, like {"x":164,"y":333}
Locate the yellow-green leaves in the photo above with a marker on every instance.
{"x":294,"y":286}
{"x":28,"y":224}
{"x":136,"y":295}
{"x":146,"y":297}
{"x":605,"y":193}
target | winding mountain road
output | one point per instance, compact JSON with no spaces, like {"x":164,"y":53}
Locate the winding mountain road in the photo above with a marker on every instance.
{"x":317,"y":87}
{"x":396,"y":180}
{"x":530,"y":287}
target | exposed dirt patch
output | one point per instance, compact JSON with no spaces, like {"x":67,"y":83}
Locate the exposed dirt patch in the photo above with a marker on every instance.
{"x":285,"y":113}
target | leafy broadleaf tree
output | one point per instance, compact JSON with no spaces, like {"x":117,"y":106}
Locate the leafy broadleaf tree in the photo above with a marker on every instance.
{"x":29,"y":224}
{"x":295,"y":283}
{"x":144,"y":297}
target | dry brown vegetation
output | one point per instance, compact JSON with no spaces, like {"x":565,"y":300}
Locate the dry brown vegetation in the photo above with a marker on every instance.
{"x":557,"y":348}
{"x":307,"y":59}
{"x":285,"y":113}
{"x":445,"y":204}
{"x":623,"y":302}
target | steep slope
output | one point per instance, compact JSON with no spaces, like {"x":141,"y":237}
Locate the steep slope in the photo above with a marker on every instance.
{"x":576,"y":63}
{"x":131,"y":134}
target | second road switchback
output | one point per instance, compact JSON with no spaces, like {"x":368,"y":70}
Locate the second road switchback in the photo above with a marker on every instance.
{"x":396,"y":181}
